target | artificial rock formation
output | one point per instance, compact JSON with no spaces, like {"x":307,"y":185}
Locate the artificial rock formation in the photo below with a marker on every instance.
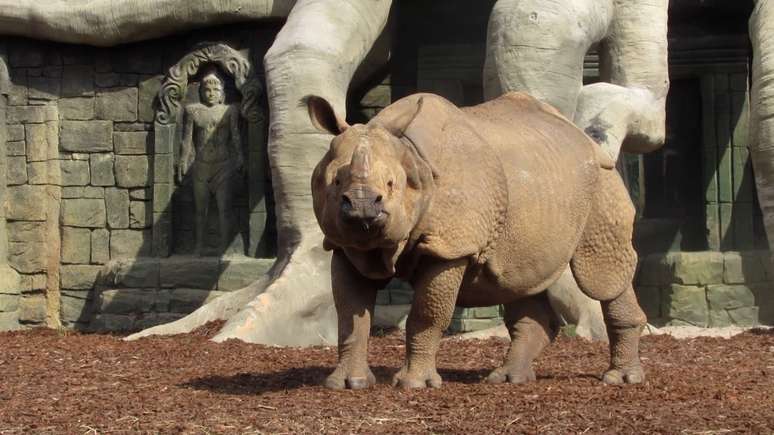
{"x":332,"y":39}
{"x":762,"y":109}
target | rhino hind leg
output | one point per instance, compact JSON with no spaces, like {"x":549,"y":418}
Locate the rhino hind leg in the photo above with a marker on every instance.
{"x":603,"y":265}
{"x":530,"y":324}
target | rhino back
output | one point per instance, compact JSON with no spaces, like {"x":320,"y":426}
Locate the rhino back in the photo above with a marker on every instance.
{"x":551,"y":172}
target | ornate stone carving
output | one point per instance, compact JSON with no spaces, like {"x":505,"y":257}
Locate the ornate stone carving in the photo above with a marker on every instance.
{"x":174,"y":87}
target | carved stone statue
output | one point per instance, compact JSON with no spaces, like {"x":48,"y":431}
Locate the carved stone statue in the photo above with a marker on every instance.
{"x":212,"y":151}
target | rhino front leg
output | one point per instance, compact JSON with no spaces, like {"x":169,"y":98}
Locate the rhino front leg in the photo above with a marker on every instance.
{"x":531,"y":328}
{"x":435,"y":294}
{"x":354,"y":296}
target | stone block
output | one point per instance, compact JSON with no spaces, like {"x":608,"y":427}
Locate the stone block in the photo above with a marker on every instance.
{"x":43,"y":88}
{"x":697,"y":268}
{"x":654,"y":270}
{"x":75,"y":306}
{"x":744,"y":316}
{"x":132,"y":171}
{"x":117,"y":205}
{"x":136,"y":60}
{"x":17,"y":91}
{"x":39,"y":281}
{"x":93,"y":192}
{"x":26,"y":203}
{"x":32,"y":308}
{"x":238,"y":272}
{"x":764,"y":299}
{"x":77,"y":81}
{"x":31,"y":114}
{"x":729,"y":296}
{"x":132,"y":126}
{"x":101,"y":166}
{"x":21,"y":231}
{"x":744,"y":267}
{"x":77,"y":108}
{"x":126,"y":301}
{"x":153,"y":319}
{"x":148,"y":90}
{"x":190,"y":272}
{"x":383,"y":297}
{"x":184,"y":300}
{"x":391,"y":316}
{"x":107,"y":79}
{"x":117,"y":104}
{"x":649,"y":298}
{"x":685,"y":303}
{"x":163,"y":297}
{"x":134,"y":272}
{"x":9,"y":321}
{"x":162,"y":197}
{"x":10,"y":280}
{"x":71,"y":192}
{"x":15,"y":133}
{"x":9,"y":303}
{"x":37,"y":172}
{"x":143,"y":193}
{"x":112,"y":323}
{"x":76,"y":245}
{"x":131,"y":142}
{"x":163,"y":168}
{"x":719,"y":319}
{"x":100,"y":246}
{"x":83,"y":212}
{"x":140,"y":215}
{"x":27,"y":54}
{"x":79,"y":276}
{"x":469,"y":325}
{"x":17,"y":148}
{"x":87,"y":136}
{"x":129,"y":243}
{"x":75,"y":172}
{"x":37,"y":142}
{"x":16,"y":170}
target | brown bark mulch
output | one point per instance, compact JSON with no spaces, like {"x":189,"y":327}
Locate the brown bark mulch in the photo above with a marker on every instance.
{"x":58,"y":382}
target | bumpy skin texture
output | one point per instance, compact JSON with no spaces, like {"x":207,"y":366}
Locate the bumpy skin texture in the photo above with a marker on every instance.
{"x":477,"y":206}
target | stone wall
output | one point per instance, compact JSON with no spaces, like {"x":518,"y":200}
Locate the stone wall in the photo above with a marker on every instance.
{"x":707,"y":289}
{"x":78,"y":188}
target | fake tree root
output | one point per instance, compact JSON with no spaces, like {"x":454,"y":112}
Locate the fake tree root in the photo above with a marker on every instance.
{"x":762,"y":109}
{"x":112,"y":22}
{"x":291,"y":306}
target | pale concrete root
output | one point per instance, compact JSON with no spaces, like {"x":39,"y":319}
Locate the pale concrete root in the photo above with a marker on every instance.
{"x":108,"y":22}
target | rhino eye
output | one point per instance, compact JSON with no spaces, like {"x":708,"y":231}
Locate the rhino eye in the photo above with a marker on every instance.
{"x":389,"y":184}
{"x":337,"y":181}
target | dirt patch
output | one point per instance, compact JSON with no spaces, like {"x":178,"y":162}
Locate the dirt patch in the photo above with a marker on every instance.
{"x":56,"y":382}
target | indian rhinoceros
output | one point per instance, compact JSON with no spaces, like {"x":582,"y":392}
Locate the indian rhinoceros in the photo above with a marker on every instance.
{"x":473,"y":206}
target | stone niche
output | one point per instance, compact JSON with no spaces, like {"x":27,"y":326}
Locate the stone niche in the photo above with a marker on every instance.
{"x":174,"y":208}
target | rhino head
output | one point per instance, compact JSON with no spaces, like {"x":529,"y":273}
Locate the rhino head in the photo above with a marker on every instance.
{"x":369,"y":190}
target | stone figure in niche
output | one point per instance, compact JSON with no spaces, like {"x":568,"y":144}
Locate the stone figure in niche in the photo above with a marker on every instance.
{"x":212,"y":151}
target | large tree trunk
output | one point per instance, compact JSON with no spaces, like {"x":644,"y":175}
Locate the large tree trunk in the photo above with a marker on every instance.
{"x":538,"y":47}
{"x":762,"y":109}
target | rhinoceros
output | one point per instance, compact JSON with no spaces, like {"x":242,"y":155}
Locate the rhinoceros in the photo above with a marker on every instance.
{"x":472,"y":206}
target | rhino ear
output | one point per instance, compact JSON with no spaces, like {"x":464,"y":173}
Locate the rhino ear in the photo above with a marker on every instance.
{"x":323,"y":117}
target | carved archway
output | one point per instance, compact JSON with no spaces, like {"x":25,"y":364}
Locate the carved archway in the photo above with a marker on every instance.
{"x":170,"y":99}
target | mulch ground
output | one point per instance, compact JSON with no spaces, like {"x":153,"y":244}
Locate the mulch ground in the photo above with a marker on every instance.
{"x":55,"y":382}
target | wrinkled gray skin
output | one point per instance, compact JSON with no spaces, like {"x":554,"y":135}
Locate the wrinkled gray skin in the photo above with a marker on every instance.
{"x":474,"y":207}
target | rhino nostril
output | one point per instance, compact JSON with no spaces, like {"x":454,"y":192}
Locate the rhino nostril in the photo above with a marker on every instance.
{"x":378,"y":199}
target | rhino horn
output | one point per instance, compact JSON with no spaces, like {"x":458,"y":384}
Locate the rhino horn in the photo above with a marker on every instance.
{"x":360,"y":166}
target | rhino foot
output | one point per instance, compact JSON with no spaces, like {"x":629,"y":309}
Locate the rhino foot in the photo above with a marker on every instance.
{"x":342,"y":378}
{"x":511,"y":374}
{"x":416,"y":378}
{"x":631,"y":375}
